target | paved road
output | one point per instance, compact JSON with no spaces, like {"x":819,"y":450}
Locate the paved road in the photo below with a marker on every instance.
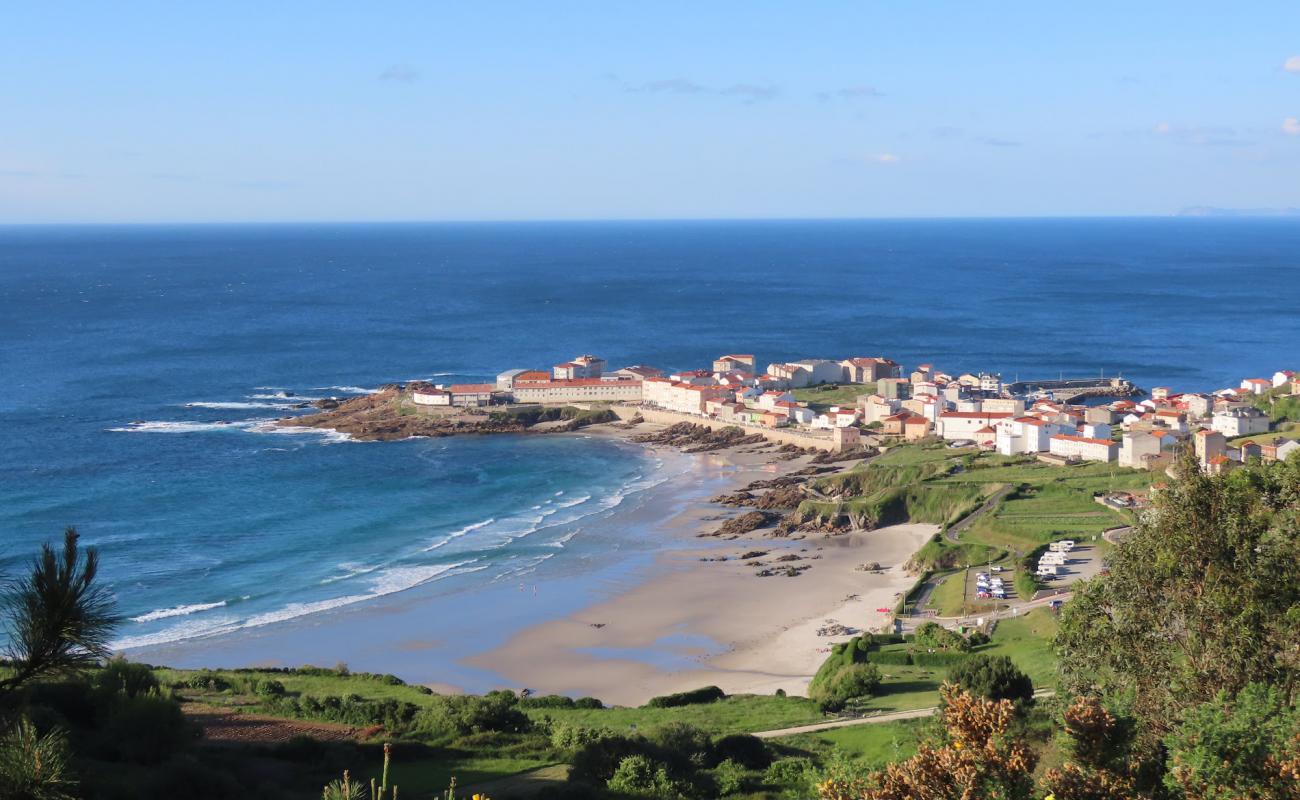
{"x":877,"y":719}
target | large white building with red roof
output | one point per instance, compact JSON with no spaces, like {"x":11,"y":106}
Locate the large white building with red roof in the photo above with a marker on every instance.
{"x":956,"y":425}
{"x":1084,"y":448}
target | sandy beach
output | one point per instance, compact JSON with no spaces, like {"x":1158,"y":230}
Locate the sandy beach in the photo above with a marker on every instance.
{"x":692,"y":622}
{"x":652,"y":603}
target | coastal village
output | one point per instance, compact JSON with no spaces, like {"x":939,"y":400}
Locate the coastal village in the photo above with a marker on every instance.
{"x":1058,"y":422}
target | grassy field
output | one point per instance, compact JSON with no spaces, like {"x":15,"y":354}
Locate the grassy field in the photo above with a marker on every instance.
{"x":873,"y":745}
{"x":1286,"y":430}
{"x":736,"y":714}
{"x":822,"y":397}
{"x":1028,"y":642}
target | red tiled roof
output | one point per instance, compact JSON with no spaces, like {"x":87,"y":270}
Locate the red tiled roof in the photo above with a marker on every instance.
{"x":472,"y":388}
{"x":975,"y":415}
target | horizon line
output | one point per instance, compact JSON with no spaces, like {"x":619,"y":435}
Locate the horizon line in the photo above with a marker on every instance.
{"x":1225,"y":214}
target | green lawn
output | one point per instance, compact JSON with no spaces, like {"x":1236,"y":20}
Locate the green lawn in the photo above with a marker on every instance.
{"x":833,"y":394}
{"x":1287,"y":430}
{"x":902,"y":454}
{"x":1028,"y":641}
{"x":371,"y":688}
{"x":874,"y":744}
{"x":431,"y":777}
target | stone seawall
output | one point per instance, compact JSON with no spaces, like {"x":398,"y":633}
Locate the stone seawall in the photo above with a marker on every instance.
{"x":778,"y":435}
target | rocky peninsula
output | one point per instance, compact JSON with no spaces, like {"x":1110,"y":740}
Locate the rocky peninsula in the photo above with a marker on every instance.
{"x":389,"y":414}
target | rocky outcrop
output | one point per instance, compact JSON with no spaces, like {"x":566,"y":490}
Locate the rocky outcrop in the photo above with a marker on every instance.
{"x":744,"y":524}
{"x":387,"y":415}
{"x":692,"y":438}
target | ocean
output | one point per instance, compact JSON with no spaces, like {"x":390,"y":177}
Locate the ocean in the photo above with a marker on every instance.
{"x":141,"y":365}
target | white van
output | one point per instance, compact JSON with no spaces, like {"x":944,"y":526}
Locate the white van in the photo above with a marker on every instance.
{"x":1046,"y":569}
{"x":1052,"y":558}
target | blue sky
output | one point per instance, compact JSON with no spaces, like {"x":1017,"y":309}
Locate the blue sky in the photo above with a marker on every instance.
{"x":426,"y":111}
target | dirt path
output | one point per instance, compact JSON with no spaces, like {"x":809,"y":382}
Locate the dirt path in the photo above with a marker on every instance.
{"x":995,"y":498}
{"x":228,"y":726}
{"x":892,"y":716}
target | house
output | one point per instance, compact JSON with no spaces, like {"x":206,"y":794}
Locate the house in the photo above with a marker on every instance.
{"x":893,"y":425}
{"x":868,"y":370}
{"x":916,"y":428}
{"x":1100,"y":414}
{"x":472,"y":394}
{"x":1209,"y":444}
{"x":506,"y":380}
{"x":1198,"y":405}
{"x":1171,"y":418}
{"x":990,"y":382}
{"x":1096,"y":430}
{"x":1138,"y":448}
{"x":769,"y":399}
{"x":845,"y":439}
{"x":687,"y":398}
{"x":584,"y":366}
{"x":431,"y":396}
{"x":875,"y":408}
{"x":1009,"y":405}
{"x":894,"y":388}
{"x":1282,"y":377}
{"x":986,"y":437}
{"x":743,"y":362}
{"x":1277,"y":449}
{"x":1242,"y":421}
{"x":802,"y":415}
{"x":1257,"y":385}
{"x":1023,"y":435}
{"x":955,"y":425}
{"x":637,"y":372}
{"x":1160,"y":393}
{"x":1218,"y":465}
{"x":821,"y":370}
{"x":1083,"y":448}
{"x":922,"y":373}
{"x":836,"y":418}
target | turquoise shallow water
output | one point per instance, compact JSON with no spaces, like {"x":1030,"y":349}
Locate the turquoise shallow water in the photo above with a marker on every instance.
{"x":209,"y":522}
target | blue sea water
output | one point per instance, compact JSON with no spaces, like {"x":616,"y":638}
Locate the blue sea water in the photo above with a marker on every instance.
{"x":209,"y":521}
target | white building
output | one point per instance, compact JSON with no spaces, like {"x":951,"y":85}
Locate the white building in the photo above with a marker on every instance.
{"x":1257,"y":385}
{"x":1008,"y":405}
{"x":584,"y":366}
{"x":579,"y":390}
{"x":1096,"y":430}
{"x":1282,"y":377}
{"x":686,"y":398}
{"x":1136,"y":448}
{"x":965,"y":424}
{"x":1023,"y":435}
{"x":768,"y":400}
{"x":471,"y":394}
{"x":1240,"y":422}
{"x":1083,"y":448}
{"x":431,"y":396}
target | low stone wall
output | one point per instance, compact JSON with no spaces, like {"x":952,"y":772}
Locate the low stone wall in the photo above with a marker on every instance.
{"x":778,"y":435}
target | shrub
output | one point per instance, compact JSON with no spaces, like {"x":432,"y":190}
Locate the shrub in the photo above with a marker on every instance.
{"x":186,"y":777}
{"x":993,"y":677}
{"x":932,"y":634}
{"x":836,"y":689}
{"x":547,"y":701}
{"x":684,"y":746}
{"x":707,"y":694}
{"x":728,"y":778}
{"x":120,"y":675}
{"x":790,"y":773}
{"x":895,"y":658}
{"x":207,"y":681}
{"x":270,"y":688}
{"x":572,"y":737}
{"x":748,"y":751}
{"x":941,"y":658}
{"x":640,"y":776}
{"x":596,"y":761}
{"x":146,"y":729}
{"x":466,"y":714}
{"x":588,"y":703}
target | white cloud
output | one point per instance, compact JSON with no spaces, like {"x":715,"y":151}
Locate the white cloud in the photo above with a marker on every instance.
{"x":1292,"y":64}
{"x":885,"y":158}
{"x":1291,"y":126}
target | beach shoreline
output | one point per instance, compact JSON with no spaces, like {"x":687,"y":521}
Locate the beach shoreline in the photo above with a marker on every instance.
{"x":672,"y":616}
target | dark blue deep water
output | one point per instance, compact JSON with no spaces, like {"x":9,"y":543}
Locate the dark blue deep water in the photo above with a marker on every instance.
{"x":208,"y":526}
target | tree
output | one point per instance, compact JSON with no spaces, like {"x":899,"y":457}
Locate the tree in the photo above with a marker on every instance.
{"x":1243,"y":747}
{"x":57,"y":618}
{"x":1203,"y":598}
{"x":834,"y":689}
{"x":979,"y":757}
{"x":34,"y":767}
{"x":992,"y":677}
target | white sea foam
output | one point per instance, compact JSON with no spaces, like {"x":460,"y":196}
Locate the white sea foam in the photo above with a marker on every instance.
{"x":456,"y":534}
{"x":396,"y":579}
{"x":237,"y":406}
{"x":574,"y":502}
{"x":178,"y":611}
{"x":345,"y":389}
{"x":188,"y":426}
{"x":282,"y":395}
